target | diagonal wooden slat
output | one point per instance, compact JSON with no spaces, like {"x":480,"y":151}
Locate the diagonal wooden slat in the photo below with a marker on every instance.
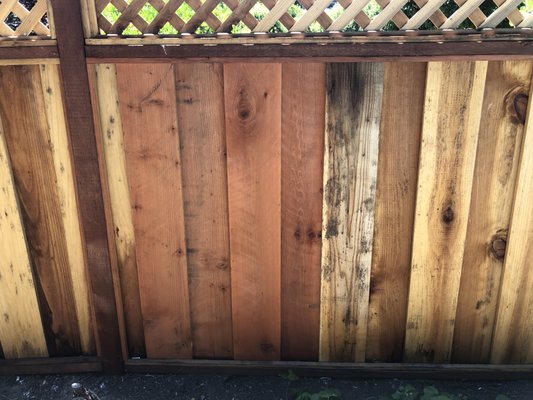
{"x":285,"y":19}
{"x":164,"y":15}
{"x":33,"y":19}
{"x":311,"y":15}
{"x":527,"y":22}
{"x":323,"y":19}
{"x":424,"y":14}
{"x":400,"y":19}
{"x":272,"y":17}
{"x":464,"y":11}
{"x":137,"y":20}
{"x":6,"y":7}
{"x":240,"y":13}
{"x":361,"y":19}
{"x":386,"y":15}
{"x":200,"y":16}
{"x":500,"y":14}
{"x":174,"y":20}
{"x":100,"y":5}
{"x":212,"y":21}
{"x":127,"y":16}
{"x":103,"y":23}
{"x":349,"y":14}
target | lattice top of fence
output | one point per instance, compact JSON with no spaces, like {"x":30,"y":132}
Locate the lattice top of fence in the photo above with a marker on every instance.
{"x":134,"y":17}
{"x":24,"y":18}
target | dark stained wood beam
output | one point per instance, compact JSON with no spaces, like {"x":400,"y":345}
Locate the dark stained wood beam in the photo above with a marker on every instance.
{"x":311,"y":52}
{"x":335,"y":370}
{"x":28,"y":52}
{"x":78,"y":110}
{"x":55,"y":365}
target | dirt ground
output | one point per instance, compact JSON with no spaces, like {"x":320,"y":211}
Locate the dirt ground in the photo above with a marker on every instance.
{"x":137,"y":386}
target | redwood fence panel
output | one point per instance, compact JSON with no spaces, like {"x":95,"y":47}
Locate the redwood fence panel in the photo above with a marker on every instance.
{"x":161,"y":207}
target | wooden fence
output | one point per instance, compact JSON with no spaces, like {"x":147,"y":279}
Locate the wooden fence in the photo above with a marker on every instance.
{"x":262,"y":209}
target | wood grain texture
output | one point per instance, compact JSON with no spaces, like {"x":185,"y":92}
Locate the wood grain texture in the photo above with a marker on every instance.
{"x":29,"y":144}
{"x":78,"y":111}
{"x":200,"y":108}
{"x":400,"y":135}
{"x":302,"y":155}
{"x":113,"y":258}
{"x":353,"y":111}
{"x":452,"y":112}
{"x":21,"y":330}
{"x":499,"y":145}
{"x":53,"y":102}
{"x":513,"y":334}
{"x":105,"y":86}
{"x":151,"y":143}
{"x":253,"y":133}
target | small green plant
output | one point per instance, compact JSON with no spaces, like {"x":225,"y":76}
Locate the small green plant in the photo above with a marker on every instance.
{"x":324,"y":394}
{"x":409,"y":392}
{"x":306,"y":394}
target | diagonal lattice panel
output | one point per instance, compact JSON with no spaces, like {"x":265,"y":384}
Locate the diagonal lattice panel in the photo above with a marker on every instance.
{"x":18,"y":20}
{"x":236,"y":16}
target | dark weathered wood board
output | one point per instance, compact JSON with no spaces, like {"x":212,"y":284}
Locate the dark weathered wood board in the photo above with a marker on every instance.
{"x":353,"y":112}
{"x":400,"y":132}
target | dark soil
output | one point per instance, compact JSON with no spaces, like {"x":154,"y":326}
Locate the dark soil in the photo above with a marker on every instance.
{"x":136,"y":386}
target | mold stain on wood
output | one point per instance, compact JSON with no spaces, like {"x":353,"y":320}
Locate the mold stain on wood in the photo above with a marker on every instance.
{"x":353,"y":110}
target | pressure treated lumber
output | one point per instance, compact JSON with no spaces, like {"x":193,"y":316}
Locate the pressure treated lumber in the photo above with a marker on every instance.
{"x":28,"y":141}
{"x":21,"y":330}
{"x":353,"y":112}
{"x":253,"y":133}
{"x":513,"y":333}
{"x":106,"y":93}
{"x":452,"y":113}
{"x":302,"y":154}
{"x":498,"y":153}
{"x":200,"y":110}
{"x":51,"y":87}
{"x":151,"y":144}
{"x":400,"y":136}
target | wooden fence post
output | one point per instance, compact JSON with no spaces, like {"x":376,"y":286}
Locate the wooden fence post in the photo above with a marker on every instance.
{"x":78,"y":111}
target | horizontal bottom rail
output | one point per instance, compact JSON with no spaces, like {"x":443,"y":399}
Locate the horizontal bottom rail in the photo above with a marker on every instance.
{"x":52,"y":365}
{"x":335,"y":370}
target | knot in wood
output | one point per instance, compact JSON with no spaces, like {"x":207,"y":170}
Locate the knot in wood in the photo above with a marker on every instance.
{"x":448,"y":215}
{"x":520,"y":107}
{"x":498,"y":246}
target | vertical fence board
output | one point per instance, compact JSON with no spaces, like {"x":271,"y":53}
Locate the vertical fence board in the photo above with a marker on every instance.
{"x":106,"y":93}
{"x":401,"y":128}
{"x":51,"y":86}
{"x":513,"y":335}
{"x":148,"y":108}
{"x":253,"y":124}
{"x":29,"y":145}
{"x":200,"y":102}
{"x":452,"y":111}
{"x":302,"y":154}
{"x":499,"y":145}
{"x":353,"y":111}
{"x":21,"y":330}
{"x":113,"y":259}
